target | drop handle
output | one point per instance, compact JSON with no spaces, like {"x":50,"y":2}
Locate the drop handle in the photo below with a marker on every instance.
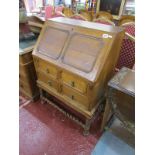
{"x":49,"y":83}
{"x":72,"y":97}
{"x":47,"y":70}
{"x":72,"y":83}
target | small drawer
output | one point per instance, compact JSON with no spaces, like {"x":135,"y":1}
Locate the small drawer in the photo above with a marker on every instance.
{"x":46,"y":67}
{"x":74,"y":82}
{"x":75,"y":96}
{"x":47,"y":80}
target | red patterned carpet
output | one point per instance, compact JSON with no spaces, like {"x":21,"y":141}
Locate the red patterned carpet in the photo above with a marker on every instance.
{"x":46,"y":131}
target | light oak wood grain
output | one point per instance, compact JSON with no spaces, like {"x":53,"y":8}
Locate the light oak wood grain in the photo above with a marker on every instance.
{"x":81,"y":69}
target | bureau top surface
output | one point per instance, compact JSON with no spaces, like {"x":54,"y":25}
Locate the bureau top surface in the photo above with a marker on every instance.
{"x":124,"y":81}
{"x":78,"y":46}
{"x":87,"y":24}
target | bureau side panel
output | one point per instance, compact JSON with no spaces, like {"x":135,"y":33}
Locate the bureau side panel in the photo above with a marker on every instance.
{"x":99,"y":89}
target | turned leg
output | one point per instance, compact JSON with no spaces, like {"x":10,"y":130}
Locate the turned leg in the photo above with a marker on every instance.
{"x":41,"y":96}
{"x":87,"y":127}
{"x":106,"y":115}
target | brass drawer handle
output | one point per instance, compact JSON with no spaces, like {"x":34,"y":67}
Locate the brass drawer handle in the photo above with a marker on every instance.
{"x":60,"y":88}
{"x":47,"y":70}
{"x":72,"y":83}
{"x":49,"y":83}
{"x":72,"y":97}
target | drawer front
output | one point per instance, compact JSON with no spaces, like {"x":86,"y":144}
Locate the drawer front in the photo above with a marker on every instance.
{"x":26,"y":87}
{"x":75,"y":96}
{"x":46,"y":67}
{"x":74,"y":82}
{"x":47,"y":80}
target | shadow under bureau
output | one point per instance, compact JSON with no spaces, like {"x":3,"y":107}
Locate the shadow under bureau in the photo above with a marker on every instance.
{"x":74,"y":60}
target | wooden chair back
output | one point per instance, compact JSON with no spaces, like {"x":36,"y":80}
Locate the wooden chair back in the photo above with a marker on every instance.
{"x":104,"y":14}
{"x":105,"y":21}
{"x":67,"y":12}
{"x":78,"y":17}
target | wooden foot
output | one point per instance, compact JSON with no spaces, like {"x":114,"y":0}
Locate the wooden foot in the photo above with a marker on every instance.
{"x":87,"y":127}
{"x":85,"y":132}
{"x":106,"y":115}
{"x":42,"y":101}
{"x":41,"y":96}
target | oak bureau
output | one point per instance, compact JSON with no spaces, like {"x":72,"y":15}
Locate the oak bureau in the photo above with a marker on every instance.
{"x":74,"y":60}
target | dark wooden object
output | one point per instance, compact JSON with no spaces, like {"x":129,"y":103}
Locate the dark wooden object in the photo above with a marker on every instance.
{"x":121,"y":98}
{"x":27,"y":74}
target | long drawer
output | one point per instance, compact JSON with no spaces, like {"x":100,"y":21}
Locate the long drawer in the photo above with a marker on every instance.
{"x":74,"y":82}
{"x":75,"y":96}
{"x":50,"y":82}
{"x":45,"y":67}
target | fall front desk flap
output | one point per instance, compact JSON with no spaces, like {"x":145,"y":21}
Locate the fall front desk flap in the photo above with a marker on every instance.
{"x":77,"y":45}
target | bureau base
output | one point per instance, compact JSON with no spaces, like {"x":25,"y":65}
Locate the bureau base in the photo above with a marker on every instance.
{"x":88,"y":121}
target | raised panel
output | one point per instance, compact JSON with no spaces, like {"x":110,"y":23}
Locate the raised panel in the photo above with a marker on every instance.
{"x":82,"y":52}
{"x":52,"y":42}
